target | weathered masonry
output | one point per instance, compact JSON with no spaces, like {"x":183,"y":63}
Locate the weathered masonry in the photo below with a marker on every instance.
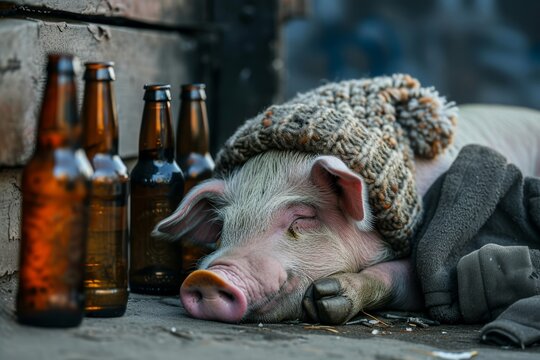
{"x":233,"y":46}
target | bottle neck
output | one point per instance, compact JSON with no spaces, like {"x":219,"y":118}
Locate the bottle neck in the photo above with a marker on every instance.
{"x":192,"y":128}
{"x":156,"y":138}
{"x":58,"y":121}
{"x":100,"y":119}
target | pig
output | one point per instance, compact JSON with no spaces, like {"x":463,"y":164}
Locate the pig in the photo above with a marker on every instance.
{"x":296,"y":236}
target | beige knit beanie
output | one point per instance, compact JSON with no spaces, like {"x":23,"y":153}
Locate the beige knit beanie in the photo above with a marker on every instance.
{"x":375,"y":126}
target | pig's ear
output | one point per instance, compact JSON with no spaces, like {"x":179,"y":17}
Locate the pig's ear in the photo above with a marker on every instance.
{"x":194,"y":217}
{"x":329,"y":172}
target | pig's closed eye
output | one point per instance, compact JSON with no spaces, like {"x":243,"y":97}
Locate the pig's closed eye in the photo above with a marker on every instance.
{"x":302,"y":224}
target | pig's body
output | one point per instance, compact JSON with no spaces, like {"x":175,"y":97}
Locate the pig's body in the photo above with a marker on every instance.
{"x":514,"y":132}
{"x":296,"y":238}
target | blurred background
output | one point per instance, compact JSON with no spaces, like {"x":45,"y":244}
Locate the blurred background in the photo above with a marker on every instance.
{"x":484,"y":51}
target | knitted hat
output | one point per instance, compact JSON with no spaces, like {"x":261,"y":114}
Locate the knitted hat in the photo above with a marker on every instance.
{"x":375,"y":126}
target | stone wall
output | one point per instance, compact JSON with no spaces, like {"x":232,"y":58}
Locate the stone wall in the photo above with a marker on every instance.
{"x":10,"y":202}
{"x":149,"y":41}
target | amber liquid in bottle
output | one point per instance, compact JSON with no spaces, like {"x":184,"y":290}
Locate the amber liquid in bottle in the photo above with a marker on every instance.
{"x":55,"y":189}
{"x":156,"y":190}
{"x":193,"y":155}
{"x":106,"y":253}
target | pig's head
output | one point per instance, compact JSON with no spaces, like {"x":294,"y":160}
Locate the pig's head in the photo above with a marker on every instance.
{"x":282,"y":220}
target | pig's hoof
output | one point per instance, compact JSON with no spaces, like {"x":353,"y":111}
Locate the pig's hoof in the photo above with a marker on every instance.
{"x":324,"y":303}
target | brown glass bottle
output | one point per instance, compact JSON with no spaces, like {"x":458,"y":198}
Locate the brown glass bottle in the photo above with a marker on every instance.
{"x":193,"y":156}
{"x":157,"y":187}
{"x":106,"y":252}
{"x":55,"y":189}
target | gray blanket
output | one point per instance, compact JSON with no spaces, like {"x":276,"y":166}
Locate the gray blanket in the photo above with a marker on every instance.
{"x":478,"y":250}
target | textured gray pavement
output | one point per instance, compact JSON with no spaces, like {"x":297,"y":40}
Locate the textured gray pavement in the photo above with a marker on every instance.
{"x":158,"y":328}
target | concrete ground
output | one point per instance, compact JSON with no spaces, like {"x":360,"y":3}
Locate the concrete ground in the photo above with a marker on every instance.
{"x":158,"y":328}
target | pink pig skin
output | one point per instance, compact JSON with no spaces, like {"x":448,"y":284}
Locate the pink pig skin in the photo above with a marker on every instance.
{"x":295,"y":231}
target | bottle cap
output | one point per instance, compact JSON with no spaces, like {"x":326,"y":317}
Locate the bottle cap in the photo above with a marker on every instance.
{"x":157,"y":92}
{"x":62,"y":64}
{"x":99,"y":71}
{"x":193,"y":92}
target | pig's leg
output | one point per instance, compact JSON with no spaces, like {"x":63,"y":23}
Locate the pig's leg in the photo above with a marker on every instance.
{"x":338,"y":298}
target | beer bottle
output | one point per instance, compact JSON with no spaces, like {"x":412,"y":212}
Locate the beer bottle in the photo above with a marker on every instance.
{"x":55,"y":189}
{"x":106,"y":252}
{"x":192,"y":153}
{"x":156,"y":190}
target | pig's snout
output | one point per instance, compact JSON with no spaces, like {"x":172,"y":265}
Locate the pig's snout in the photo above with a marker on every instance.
{"x":206,"y":295}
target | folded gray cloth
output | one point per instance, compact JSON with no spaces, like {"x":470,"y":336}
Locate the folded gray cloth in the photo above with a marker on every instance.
{"x":518,"y":326}
{"x":492,"y":278}
{"x":480,"y":200}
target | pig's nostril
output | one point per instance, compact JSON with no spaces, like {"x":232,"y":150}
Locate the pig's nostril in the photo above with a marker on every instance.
{"x":228,"y":296}
{"x":197,"y":295}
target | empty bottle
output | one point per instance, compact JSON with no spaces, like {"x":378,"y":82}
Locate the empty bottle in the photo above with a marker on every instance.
{"x":55,"y":189}
{"x":193,"y":156}
{"x":157,"y":187}
{"x":106,"y":252}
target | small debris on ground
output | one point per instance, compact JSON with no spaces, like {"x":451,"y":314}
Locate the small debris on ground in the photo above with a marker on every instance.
{"x":380,"y":332}
{"x":322,"y":327}
{"x":362,"y":321}
{"x":186,"y":335}
{"x":374,"y":318}
{"x":416,"y":320}
{"x":454,"y":355}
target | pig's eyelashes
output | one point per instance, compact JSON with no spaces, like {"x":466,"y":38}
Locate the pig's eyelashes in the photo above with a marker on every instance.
{"x":300,"y":224}
{"x":292,"y":233}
